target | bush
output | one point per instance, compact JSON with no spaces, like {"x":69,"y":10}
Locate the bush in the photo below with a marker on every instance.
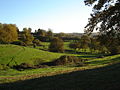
{"x":65,"y":60}
{"x":56,"y":45}
{"x":23,"y":66}
{"x":37,"y":42}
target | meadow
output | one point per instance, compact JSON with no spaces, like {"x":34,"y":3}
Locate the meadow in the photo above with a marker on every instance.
{"x":33,"y":57}
{"x":14,"y":54}
{"x":95,"y":76}
{"x":97,"y":70}
{"x":24,"y":54}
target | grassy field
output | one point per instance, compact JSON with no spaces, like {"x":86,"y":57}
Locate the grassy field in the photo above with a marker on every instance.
{"x":94,"y":63}
{"x":97,"y":74}
{"x":25,"y":54}
{"x":29,"y":55}
{"x":46,"y":46}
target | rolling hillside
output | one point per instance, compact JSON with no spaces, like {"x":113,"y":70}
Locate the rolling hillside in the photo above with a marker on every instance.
{"x":16,"y":54}
{"x":97,"y":74}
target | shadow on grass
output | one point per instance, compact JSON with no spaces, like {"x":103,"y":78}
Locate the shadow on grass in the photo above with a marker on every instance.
{"x":89,"y":55}
{"x":105,"y":78}
{"x":85,"y":54}
{"x":100,"y":62}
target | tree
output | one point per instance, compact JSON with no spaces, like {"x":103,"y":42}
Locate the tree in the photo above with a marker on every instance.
{"x":60,"y":35}
{"x":26,"y":36}
{"x":105,"y":16}
{"x":8,"y":33}
{"x":56,"y":45}
{"x":106,"y":19}
{"x":41,"y":32}
{"x":42,"y":35}
{"x":112,"y":43}
{"x":85,"y":41}
{"x":75,"y":45}
{"x":37,"y":42}
{"x":96,"y":45}
{"x":49,"y":33}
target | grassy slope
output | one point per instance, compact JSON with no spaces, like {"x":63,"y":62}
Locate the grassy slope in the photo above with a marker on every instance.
{"x":103,"y":78}
{"x":25,"y":54}
{"x":30,"y":55}
{"x":89,"y":77}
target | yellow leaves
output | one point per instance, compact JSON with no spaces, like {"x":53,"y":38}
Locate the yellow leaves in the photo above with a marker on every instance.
{"x":8,"y":33}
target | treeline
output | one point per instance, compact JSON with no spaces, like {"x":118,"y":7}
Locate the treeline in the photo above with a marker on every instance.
{"x":102,"y":43}
{"x":9,"y":33}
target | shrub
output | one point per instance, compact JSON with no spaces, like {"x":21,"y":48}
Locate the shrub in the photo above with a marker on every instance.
{"x":37,"y":42}
{"x":56,"y":45}
{"x":23,"y":66}
{"x":65,"y":60}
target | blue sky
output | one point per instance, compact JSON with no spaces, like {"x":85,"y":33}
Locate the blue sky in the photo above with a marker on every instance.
{"x":59,"y":15}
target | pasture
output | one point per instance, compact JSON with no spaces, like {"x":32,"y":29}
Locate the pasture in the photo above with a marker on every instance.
{"x":76,"y":77}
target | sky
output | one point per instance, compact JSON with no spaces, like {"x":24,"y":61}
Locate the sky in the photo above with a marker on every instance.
{"x":69,"y":16}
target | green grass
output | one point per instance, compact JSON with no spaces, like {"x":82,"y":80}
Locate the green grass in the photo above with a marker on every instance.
{"x":29,"y":55}
{"x":28,"y":74}
{"x":25,"y":54}
{"x":92,"y":77}
{"x":46,"y":44}
{"x":105,"y":60}
{"x":97,"y":74}
{"x":14,"y":75}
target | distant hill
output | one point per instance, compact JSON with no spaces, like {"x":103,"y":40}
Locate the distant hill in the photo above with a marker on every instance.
{"x":80,"y":34}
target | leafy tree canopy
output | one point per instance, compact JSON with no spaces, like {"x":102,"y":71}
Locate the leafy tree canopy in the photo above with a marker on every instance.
{"x":8,"y":33}
{"x":27,"y":37}
{"x":49,"y":33}
{"x":105,"y":17}
{"x":41,"y":32}
{"x":56,"y":45}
